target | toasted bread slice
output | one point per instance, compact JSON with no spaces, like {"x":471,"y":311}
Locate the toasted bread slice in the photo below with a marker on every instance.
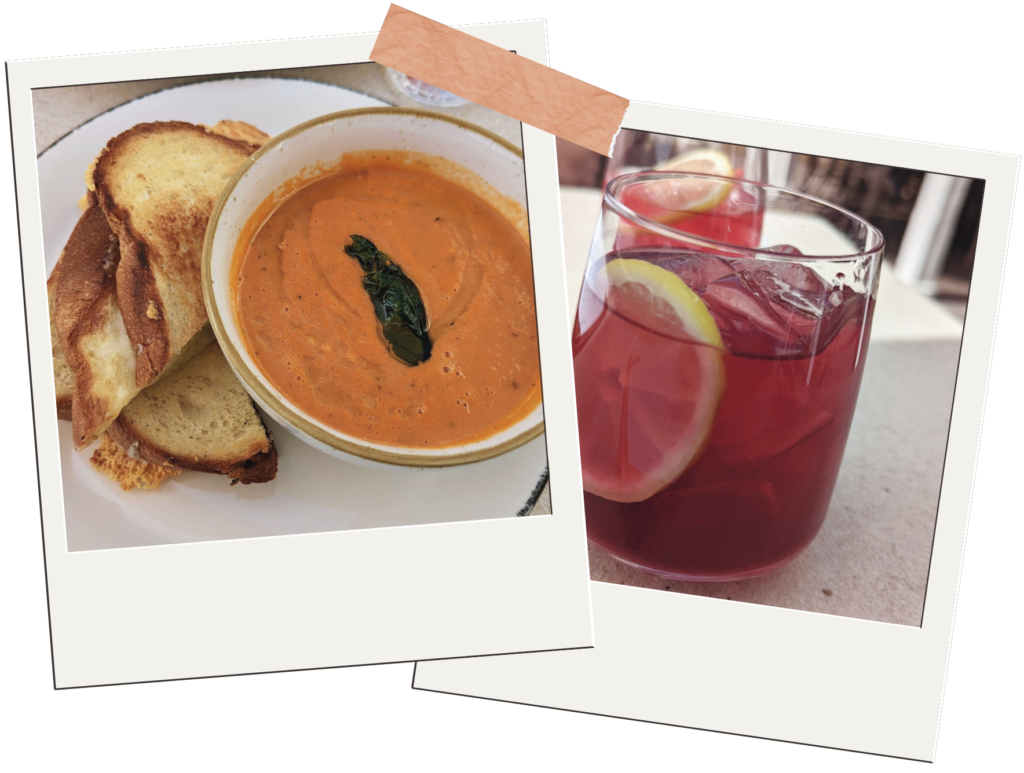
{"x":89,"y":328}
{"x":109,"y":458}
{"x":87,"y":277}
{"x":63,"y":374}
{"x":199,"y":417}
{"x":92,"y":333}
{"x":157,"y":184}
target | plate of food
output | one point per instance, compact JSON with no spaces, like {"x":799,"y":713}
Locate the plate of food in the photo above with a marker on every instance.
{"x":380,"y":378}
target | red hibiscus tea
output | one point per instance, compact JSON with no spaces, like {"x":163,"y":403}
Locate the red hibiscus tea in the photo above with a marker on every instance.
{"x":715,"y":388}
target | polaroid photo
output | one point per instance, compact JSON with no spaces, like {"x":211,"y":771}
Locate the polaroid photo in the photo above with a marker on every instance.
{"x":288,"y":314}
{"x":778,"y":427}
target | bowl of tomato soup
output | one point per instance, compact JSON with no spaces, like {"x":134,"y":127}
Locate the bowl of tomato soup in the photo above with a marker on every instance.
{"x":368,"y":275}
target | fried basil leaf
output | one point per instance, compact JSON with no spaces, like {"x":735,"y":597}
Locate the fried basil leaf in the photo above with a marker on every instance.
{"x":396,"y":301}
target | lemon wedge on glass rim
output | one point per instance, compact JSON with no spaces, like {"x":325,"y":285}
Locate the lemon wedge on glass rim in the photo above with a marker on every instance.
{"x":688,"y":195}
{"x":658,"y":421}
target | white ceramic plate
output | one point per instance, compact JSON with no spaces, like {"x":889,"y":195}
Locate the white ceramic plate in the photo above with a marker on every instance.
{"x":313,"y":492}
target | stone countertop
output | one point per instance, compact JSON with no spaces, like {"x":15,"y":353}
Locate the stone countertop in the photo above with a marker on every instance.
{"x":870,"y":560}
{"x":58,"y":111}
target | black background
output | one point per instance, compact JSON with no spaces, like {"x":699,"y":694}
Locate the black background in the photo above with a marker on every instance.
{"x":856,"y":76}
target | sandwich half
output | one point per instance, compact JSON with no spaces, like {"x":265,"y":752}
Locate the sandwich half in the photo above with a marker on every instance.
{"x":88,"y":325}
{"x":156,"y":184}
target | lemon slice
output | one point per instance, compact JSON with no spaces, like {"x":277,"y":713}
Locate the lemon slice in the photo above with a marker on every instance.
{"x":659,"y":300}
{"x":702,"y":160}
{"x":648,"y":383}
{"x":690,"y":194}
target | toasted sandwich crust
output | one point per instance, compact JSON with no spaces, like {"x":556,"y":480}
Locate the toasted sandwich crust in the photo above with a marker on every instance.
{"x":157,"y":184}
{"x":240,"y":130}
{"x":63,"y":373}
{"x":149,"y":335}
{"x":64,"y":404}
{"x":87,"y":279}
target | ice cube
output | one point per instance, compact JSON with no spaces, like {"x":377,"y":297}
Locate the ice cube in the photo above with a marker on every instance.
{"x":783,"y":249}
{"x":806,"y":293}
{"x":745,"y":318}
{"x":799,"y":277}
{"x":788,"y":282}
{"x":778,"y":308}
{"x":844,"y":304}
{"x":697,"y":269}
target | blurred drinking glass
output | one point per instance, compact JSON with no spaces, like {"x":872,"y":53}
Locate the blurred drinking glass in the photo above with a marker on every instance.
{"x":734,"y":217}
{"x":423,"y":92}
{"x":637,"y":151}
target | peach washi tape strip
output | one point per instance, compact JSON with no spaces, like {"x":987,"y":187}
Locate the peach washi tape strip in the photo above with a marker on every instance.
{"x":495,"y":78}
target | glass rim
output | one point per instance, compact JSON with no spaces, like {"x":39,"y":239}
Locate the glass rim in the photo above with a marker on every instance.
{"x":674,"y":233}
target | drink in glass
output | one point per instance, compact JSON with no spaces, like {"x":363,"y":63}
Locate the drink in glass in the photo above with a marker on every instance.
{"x":716,"y":378}
{"x":637,"y":151}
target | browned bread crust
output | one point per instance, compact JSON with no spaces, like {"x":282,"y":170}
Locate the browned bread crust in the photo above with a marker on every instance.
{"x":87,"y":279}
{"x":240,"y":130}
{"x":157,"y":184}
{"x":63,"y":375}
{"x":64,"y":403}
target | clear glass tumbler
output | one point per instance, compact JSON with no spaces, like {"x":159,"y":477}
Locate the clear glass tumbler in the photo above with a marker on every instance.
{"x":718,"y":350}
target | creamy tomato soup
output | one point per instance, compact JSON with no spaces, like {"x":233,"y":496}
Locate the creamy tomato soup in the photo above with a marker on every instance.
{"x":310,"y":325}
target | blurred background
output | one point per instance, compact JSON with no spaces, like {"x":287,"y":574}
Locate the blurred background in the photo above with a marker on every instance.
{"x":930,"y":222}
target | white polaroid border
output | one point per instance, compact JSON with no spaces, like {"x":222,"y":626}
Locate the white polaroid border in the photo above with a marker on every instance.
{"x":317,"y":600}
{"x":767,"y":672}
